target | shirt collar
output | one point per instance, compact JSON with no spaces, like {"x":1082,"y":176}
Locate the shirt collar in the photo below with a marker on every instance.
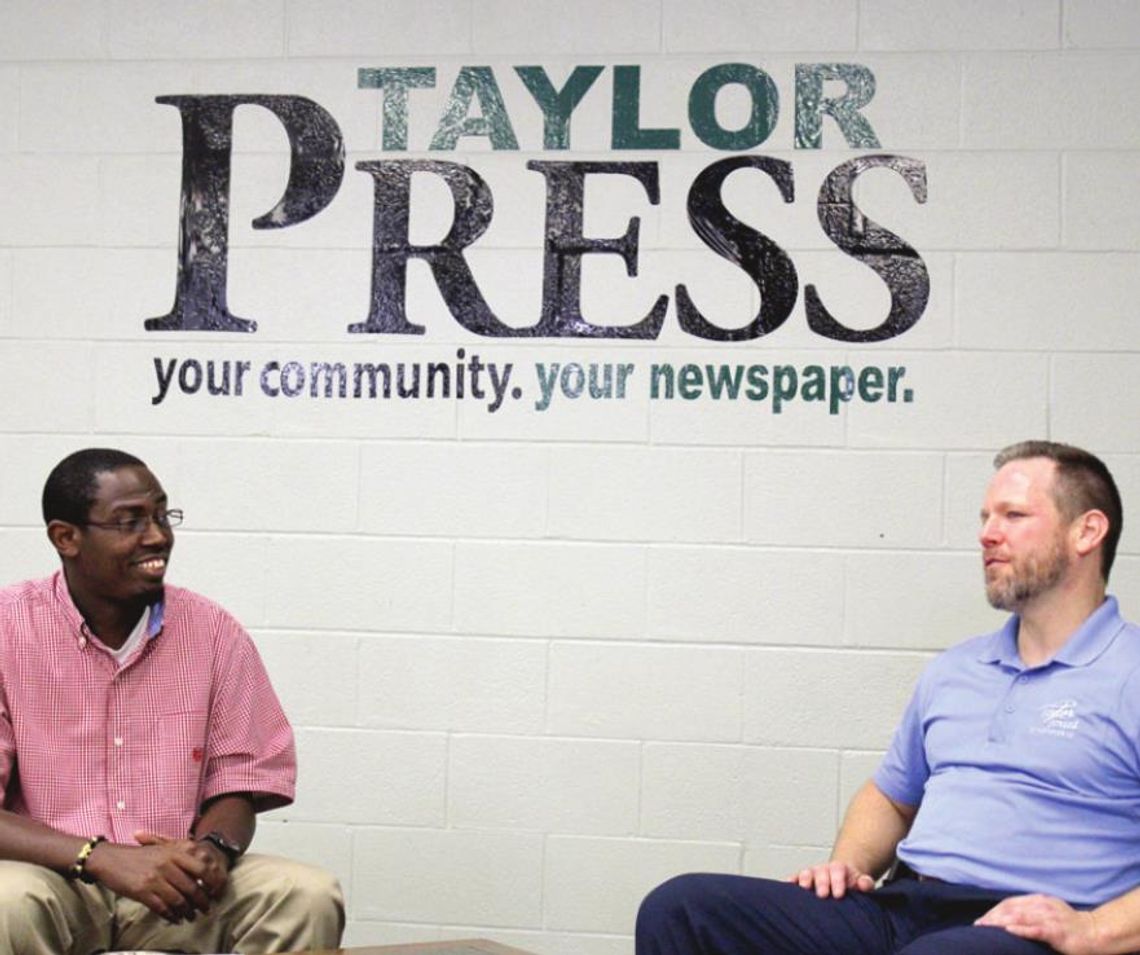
{"x":1089,"y":641}
{"x":79,"y":627}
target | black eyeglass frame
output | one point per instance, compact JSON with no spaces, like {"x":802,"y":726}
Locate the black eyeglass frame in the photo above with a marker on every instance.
{"x":139,"y":525}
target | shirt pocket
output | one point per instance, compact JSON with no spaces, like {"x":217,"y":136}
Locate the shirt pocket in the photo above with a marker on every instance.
{"x":180,"y":759}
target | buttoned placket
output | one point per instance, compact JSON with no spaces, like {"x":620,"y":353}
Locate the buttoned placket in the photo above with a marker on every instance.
{"x":116,"y":728}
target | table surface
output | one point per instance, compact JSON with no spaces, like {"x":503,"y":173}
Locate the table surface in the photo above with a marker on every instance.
{"x":466,"y":946}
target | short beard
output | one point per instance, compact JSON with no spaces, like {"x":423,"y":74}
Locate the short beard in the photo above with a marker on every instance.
{"x":1023,"y":584}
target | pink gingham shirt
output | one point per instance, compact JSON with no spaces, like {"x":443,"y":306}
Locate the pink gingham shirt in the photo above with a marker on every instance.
{"x":90,"y":748}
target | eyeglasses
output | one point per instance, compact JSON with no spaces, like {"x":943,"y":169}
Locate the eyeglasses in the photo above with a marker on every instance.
{"x":140,"y":524}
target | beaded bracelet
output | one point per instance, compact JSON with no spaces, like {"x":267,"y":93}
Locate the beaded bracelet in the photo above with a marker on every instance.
{"x":78,"y":869}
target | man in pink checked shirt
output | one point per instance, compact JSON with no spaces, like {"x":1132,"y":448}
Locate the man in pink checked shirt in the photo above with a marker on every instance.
{"x":139,"y":736}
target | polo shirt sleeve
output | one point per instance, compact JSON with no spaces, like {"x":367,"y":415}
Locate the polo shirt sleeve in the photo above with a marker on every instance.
{"x":903,"y":772}
{"x":249,"y":745}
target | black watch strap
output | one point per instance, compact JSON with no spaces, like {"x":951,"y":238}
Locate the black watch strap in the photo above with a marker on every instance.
{"x":231,"y":850}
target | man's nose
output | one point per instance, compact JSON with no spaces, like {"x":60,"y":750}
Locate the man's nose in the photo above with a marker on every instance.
{"x":989,"y":531}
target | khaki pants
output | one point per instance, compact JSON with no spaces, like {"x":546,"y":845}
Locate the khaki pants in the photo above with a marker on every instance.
{"x":270,"y":904}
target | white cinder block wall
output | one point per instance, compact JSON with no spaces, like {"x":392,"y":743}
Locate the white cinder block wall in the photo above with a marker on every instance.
{"x":540,"y":660}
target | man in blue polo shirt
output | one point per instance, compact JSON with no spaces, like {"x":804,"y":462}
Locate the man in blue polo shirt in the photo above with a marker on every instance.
{"x":1010,"y":796}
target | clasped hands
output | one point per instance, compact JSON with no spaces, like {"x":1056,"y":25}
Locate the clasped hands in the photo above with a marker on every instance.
{"x":174,"y":878}
{"x":1042,"y":918}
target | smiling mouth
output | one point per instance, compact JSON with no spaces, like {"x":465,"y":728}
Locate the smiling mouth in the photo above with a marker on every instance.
{"x":154,"y":566}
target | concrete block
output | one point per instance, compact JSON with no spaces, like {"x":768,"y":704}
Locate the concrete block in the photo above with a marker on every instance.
{"x":967,"y":477}
{"x":289,"y":485}
{"x":31,"y":401}
{"x":315,"y":676}
{"x":371,"y":932}
{"x":739,"y":793}
{"x":1049,"y":101}
{"x":631,"y":494}
{"x":9,"y":108}
{"x":301,"y":294}
{"x":1052,"y":301}
{"x":200,"y":29}
{"x":127,"y":386}
{"x":21,"y":488}
{"x":448,"y":876}
{"x":139,"y":206}
{"x":853,"y":500}
{"x":359,"y":583}
{"x":576,"y":898}
{"x":116,"y":114}
{"x":52,"y":30}
{"x":539,"y":27}
{"x":1125,"y":470}
{"x":1100,"y":196}
{"x":855,"y":768}
{"x":464,"y":683}
{"x":935,"y":600}
{"x":962,"y":24}
{"x":391,"y":28}
{"x":545,"y":785}
{"x":227,"y":568}
{"x":745,"y":595}
{"x":779,"y":686}
{"x":1125,"y":585}
{"x":25,"y":554}
{"x":917,"y":103}
{"x":1004,"y":397}
{"x":976,"y":200}
{"x":1099,"y":24}
{"x":1093,"y":417}
{"x":550,"y":589}
{"x":46,"y":200}
{"x":644,"y":692}
{"x":121,"y":288}
{"x":779,"y":862}
{"x":724,"y":25}
{"x":397,"y":779}
{"x":454,"y":490}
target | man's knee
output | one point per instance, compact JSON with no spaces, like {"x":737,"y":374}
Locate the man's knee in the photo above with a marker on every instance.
{"x":666,"y":909}
{"x":297,"y":883}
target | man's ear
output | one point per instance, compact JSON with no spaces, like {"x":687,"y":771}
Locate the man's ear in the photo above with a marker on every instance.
{"x":64,"y":537}
{"x":1089,"y":531}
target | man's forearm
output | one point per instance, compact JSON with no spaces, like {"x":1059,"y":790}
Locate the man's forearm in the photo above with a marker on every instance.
{"x":25,"y":840}
{"x":232,"y":815}
{"x":872,"y":828}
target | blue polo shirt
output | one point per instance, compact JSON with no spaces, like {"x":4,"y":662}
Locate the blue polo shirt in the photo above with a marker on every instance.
{"x":1027,"y":779}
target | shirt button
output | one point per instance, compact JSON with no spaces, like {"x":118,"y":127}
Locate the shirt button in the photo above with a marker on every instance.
{"x":1022,"y":679}
{"x":1009,"y":708}
{"x":118,"y":741}
{"x":120,"y":805}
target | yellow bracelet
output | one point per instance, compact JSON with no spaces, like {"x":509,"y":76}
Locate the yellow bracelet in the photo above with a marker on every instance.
{"x":78,"y":869}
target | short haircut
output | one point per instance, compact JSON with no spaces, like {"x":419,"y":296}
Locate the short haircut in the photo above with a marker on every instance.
{"x":70,"y":489}
{"x":1083,"y":483}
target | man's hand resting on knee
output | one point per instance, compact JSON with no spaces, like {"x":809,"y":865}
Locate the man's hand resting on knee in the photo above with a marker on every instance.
{"x":833,"y":879}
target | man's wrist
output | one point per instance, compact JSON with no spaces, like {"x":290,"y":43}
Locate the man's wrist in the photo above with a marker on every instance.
{"x":227,"y":848}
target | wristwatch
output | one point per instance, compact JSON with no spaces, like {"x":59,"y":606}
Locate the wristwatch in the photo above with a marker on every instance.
{"x":231,"y":850}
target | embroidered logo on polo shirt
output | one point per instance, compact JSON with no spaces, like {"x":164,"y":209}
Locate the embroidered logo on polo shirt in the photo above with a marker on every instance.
{"x":1058,"y":719}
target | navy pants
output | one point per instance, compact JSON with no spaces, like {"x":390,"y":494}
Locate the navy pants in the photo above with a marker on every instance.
{"x":738,"y":915}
